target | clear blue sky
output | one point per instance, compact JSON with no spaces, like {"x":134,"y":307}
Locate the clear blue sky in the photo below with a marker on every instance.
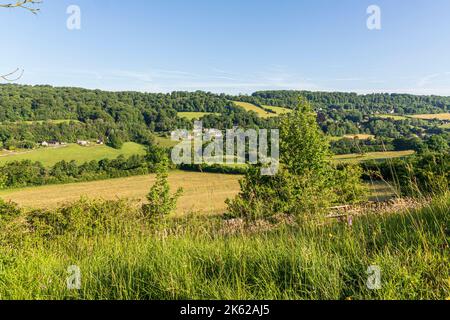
{"x":232,"y":46}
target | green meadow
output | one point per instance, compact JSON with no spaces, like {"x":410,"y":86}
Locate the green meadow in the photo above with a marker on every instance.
{"x":49,"y":156}
{"x":193,"y":115}
{"x":277,"y":111}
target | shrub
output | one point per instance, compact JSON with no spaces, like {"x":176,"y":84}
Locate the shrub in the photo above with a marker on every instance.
{"x":160,"y":201}
{"x":84,"y":218}
{"x":306,"y":181}
{"x":8,"y":211}
{"x":348,"y":187}
{"x":427,"y":174}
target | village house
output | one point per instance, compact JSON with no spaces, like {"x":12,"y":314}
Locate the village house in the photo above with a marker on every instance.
{"x":53,"y":143}
{"x":83,"y":143}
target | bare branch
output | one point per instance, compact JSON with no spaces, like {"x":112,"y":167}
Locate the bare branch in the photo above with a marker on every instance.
{"x":24,"y":4}
{"x":13,"y":76}
{"x":27,"y":5}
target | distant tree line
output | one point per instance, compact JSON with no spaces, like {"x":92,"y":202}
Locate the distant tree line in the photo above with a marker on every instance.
{"x":367,"y":104}
{"x":27,"y":115}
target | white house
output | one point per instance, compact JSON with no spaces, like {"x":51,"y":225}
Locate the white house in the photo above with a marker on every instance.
{"x":83,"y":143}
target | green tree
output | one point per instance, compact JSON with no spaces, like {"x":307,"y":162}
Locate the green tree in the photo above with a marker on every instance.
{"x":306,"y":182}
{"x":160,"y":200}
{"x":438,"y":144}
{"x":115,"y":141}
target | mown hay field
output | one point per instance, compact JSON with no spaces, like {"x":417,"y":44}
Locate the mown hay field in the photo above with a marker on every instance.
{"x":440,"y":116}
{"x":373,"y":156}
{"x":277,"y":111}
{"x":203,"y":192}
{"x":193,"y":115}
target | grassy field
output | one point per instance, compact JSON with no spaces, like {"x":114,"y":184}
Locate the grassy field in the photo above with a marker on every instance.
{"x":261,"y":112}
{"x":441,"y":116}
{"x":193,"y":115}
{"x":360,"y":136}
{"x":165,"y":142}
{"x":50,"y":156}
{"x":122,"y":256}
{"x":203,"y":192}
{"x":373,"y":156}
{"x":391,"y":116}
{"x":278,"y":110}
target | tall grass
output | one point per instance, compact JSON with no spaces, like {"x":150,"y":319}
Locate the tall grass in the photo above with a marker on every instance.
{"x":122,"y":256}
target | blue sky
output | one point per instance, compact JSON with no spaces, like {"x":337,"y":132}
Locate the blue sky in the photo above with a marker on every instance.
{"x":232,"y":46}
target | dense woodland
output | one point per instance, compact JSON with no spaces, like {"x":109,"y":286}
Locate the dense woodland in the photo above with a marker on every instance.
{"x":28,"y":114}
{"x":367,"y":104}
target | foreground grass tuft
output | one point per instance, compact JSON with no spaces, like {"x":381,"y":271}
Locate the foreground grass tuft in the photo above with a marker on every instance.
{"x":123,"y":256}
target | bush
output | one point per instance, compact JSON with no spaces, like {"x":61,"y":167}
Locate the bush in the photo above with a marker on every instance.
{"x":348,"y":186}
{"x":160,"y":201}
{"x":424,"y":175}
{"x":420,"y":175}
{"x":306,"y":181}
{"x":84,"y":218}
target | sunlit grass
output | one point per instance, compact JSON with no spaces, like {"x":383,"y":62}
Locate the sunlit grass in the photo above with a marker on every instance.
{"x":122,"y":258}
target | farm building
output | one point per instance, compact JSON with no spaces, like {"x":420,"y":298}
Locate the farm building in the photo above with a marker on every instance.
{"x":83,"y":143}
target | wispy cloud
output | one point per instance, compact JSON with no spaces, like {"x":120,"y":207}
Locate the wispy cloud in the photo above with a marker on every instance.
{"x":229,"y":81}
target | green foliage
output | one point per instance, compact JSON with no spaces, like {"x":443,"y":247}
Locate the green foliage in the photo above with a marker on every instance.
{"x":160,"y":200}
{"x":8,"y":211}
{"x":348,"y":187}
{"x":262,"y":196}
{"x":115,"y":140}
{"x":28,"y":114}
{"x":439,"y":144}
{"x":19,"y":174}
{"x":306,"y":180}
{"x":425,"y":174}
{"x":122,"y":256}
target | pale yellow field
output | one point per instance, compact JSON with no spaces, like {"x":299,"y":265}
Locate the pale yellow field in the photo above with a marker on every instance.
{"x":392,"y":116}
{"x":193,"y":115}
{"x":278,"y":110}
{"x":360,"y":136}
{"x":251,"y":107}
{"x":440,"y":116}
{"x":203,"y":192}
{"x":373,"y":156}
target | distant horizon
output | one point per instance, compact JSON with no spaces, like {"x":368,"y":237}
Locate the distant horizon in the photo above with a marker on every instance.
{"x":225,"y":93}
